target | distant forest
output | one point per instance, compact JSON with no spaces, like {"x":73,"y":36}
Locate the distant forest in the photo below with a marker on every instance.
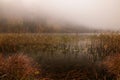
{"x":31,"y":26}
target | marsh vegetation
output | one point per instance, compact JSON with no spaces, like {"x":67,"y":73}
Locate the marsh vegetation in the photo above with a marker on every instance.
{"x":63,"y":56}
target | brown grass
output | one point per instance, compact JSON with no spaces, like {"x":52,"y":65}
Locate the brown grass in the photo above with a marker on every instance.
{"x":105,"y":45}
{"x":17,"y":67}
{"x":103,"y":64}
{"x":113,"y":64}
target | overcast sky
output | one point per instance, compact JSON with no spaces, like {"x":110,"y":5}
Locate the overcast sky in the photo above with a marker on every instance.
{"x":103,"y":14}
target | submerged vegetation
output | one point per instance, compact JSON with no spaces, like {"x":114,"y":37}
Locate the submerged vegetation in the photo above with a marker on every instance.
{"x":60,"y":56}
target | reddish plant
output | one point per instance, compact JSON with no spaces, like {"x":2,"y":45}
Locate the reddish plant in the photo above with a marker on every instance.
{"x":113,"y":64}
{"x":17,"y":67}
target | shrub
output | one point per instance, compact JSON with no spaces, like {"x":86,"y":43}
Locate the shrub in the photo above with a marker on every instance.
{"x":17,"y":67}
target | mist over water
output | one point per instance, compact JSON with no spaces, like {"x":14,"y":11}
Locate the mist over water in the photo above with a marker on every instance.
{"x":98,"y":14}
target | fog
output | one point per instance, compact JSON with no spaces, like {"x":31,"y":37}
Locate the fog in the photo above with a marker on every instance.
{"x":98,"y":14}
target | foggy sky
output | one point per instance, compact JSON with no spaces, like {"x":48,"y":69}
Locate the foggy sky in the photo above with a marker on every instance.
{"x":100,"y":14}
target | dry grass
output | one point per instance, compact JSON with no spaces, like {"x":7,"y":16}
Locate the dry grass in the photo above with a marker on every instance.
{"x":17,"y":67}
{"x":105,"y":45}
{"x":112,"y":64}
{"x":12,"y":43}
{"x":95,"y":67}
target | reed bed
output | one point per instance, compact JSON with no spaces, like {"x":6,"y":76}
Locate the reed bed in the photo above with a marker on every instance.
{"x":64,"y":57}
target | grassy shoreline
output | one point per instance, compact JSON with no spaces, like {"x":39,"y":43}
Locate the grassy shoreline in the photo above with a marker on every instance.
{"x":67,"y":56}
